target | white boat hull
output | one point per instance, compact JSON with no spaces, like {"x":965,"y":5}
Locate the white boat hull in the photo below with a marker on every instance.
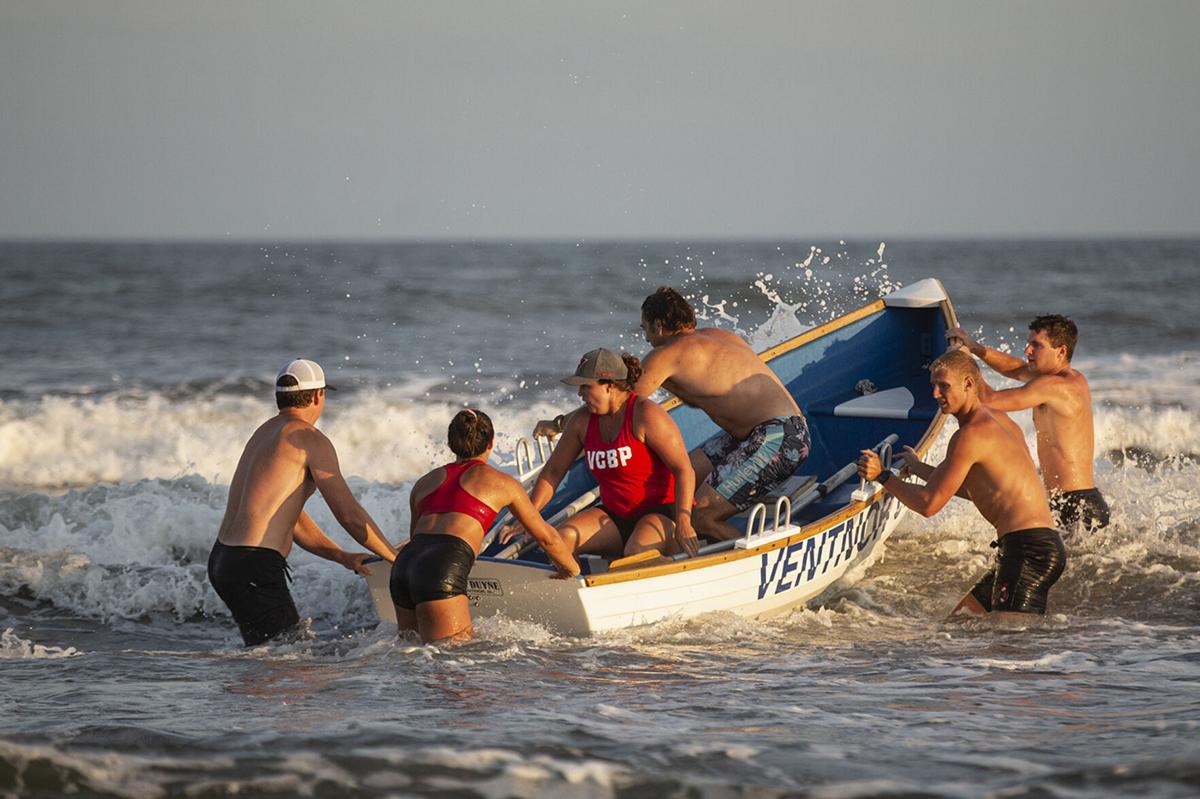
{"x":795,"y":567}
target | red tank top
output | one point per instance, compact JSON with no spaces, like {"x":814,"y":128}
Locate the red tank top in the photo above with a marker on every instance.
{"x":450,"y":497}
{"x":632,"y":477}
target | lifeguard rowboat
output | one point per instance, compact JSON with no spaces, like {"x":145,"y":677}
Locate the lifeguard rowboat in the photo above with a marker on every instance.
{"x":862,"y":381}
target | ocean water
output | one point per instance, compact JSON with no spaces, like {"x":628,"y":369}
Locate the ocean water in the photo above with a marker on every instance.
{"x":133,"y":373}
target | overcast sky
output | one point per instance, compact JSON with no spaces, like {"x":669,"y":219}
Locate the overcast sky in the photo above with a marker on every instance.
{"x":681,"y":119}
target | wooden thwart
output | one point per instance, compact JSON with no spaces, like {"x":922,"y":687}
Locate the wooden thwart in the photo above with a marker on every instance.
{"x":640,"y":559}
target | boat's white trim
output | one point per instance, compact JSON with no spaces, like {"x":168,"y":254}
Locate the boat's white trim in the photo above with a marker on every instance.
{"x":921,"y":294}
{"x":892,"y":403}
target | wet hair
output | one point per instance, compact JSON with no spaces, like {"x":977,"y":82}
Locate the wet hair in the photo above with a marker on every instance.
{"x":633,"y":366}
{"x":470,"y":433}
{"x":667,"y":307}
{"x":293,"y":399}
{"x":958,"y":363}
{"x":1059,"y":329}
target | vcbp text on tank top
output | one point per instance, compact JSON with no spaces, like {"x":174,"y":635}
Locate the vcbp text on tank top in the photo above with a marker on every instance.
{"x":632,"y":477}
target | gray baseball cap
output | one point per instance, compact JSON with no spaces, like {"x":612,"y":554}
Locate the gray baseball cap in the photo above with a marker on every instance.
{"x":598,"y":365}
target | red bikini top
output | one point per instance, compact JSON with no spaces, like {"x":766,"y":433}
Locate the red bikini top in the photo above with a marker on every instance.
{"x":450,"y":497}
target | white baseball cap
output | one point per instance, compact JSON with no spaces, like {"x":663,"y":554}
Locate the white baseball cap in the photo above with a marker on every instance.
{"x":308,"y":376}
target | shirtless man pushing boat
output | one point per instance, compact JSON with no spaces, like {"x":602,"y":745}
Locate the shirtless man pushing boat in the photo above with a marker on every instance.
{"x":988,"y":463}
{"x":285,"y":460}
{"x":1062,"y":414}
{"x":764,"y":436}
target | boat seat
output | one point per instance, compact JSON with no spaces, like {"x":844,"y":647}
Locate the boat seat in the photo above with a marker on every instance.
{"x":889,"y":403}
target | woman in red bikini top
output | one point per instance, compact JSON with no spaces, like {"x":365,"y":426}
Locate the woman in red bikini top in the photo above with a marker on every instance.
{"x":634,"y":450}
{"x":451,"y":509}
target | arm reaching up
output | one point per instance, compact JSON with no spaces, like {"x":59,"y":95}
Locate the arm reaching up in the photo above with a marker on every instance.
{"x":1005,"y":364}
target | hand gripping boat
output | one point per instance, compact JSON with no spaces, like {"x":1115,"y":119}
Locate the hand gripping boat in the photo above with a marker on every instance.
{"x":862,"y":381}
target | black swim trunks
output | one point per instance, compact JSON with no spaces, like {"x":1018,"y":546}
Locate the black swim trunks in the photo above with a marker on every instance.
{"x":1086,"y":505}
{"x":432,"y":566}
{"x":625,"y":524}
{"x":746,"y":471}
{"x":252,"y":582}
{"x":1028,"y":564}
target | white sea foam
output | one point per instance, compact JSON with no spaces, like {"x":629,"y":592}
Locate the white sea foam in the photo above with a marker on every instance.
{"x":58,"y":442}
{"x":140,"y":549}
{"x":14,"y":647}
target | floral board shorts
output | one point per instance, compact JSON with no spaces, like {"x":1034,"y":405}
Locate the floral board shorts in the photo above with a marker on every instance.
{"x":745,"y":471}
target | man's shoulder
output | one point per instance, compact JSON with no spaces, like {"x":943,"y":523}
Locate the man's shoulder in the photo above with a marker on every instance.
{"x":1070,"y":385}
{"x":719,"y":334}
{"x":985,"y":424}
{"x":721,"y":342}
{"x":303,"y":436}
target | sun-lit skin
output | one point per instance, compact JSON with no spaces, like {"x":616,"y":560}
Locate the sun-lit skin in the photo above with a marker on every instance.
{"x":1061,"y":401}
{"x":653,"y":333}
{"x":948,"y":392}
{"x":1043,"y":357}
{"x":600,"y":399}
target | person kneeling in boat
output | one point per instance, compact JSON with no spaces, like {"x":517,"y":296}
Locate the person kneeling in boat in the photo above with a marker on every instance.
{"x":452,"y":508}
{"x":635,"y":451}
{"x":988,"y":463}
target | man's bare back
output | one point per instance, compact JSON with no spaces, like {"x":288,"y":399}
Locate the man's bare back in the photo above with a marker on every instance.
{"x":717,"y":372}
{"x":270,"y":486}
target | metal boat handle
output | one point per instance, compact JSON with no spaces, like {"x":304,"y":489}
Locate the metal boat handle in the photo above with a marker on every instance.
{"x":781,"y":503}
{"x":760,"y":512}
{"x":524,"y":445}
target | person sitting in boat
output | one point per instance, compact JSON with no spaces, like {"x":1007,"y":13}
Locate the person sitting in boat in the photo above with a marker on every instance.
{"x":988,"y":463}
{"x":764,"y":437}
{"x":636,"y":453}
{"x":452,"y":508}
{"x":1061,"y":401}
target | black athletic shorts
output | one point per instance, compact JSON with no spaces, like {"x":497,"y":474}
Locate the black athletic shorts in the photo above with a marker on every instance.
{"x":252,"y":582}
{"x":1029,"y":562}
{"x":625,"y":524}
{"x":432,"y":566}
{"x":1086,"y":505}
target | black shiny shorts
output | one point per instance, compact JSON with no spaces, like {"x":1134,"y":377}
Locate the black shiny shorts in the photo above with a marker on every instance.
{"x":252,"y":582}
{"x":1086,"y":505}
{"x":432,"y":566}
{"x":1028,"y":564}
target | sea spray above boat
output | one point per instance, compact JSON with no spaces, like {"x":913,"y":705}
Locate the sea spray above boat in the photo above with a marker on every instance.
{"x":862,"y":381}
